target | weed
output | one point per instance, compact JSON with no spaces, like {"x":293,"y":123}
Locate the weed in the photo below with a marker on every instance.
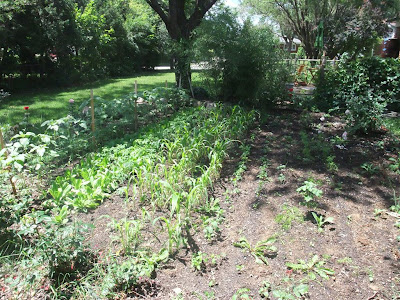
{"x":242,"y":293}
{"x":395,"y":164}
{"x":369,"y":168}
{"x":345,"y":260}
{"x":239,"y":268}
{"x":309,"y":191}
{"x":199,"y":261}
{"x":289,"y":215}
{"x":396,"y":206}
{"x":261,"y":250}
{"x":330,"y":164}
{"x":321,"y":220}
{"x":312,"y":268}
{"x":282,"y":178}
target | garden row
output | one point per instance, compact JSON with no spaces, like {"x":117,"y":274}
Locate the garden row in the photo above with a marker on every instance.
{"x":163,"y":173}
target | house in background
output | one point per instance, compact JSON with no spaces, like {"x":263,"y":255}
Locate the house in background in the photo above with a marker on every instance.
{"x":296,"y":43}
{"x":391,"y":42}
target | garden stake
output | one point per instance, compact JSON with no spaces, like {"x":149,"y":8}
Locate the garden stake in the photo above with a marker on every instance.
{"x":135,"y":111}
{"x":92,"y":111}
{"x":14,"y":190}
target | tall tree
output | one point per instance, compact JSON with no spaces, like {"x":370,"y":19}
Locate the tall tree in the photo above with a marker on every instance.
{"x":181,"y":17}
{"x":345,"y":22}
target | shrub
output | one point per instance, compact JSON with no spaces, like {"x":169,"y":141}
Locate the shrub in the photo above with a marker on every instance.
{"x":243,"y":61}
{"x":363,"y":88}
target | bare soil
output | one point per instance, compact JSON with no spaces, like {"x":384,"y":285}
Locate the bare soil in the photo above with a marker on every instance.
{"x":360,"y":246}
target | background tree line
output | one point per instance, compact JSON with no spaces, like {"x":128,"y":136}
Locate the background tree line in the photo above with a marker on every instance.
{"x":67,"y":41}
{"x":353,"y":26}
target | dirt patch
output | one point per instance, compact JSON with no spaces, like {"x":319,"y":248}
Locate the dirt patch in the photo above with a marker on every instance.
{"x":357,"y":249}
{"x":359,"y":246}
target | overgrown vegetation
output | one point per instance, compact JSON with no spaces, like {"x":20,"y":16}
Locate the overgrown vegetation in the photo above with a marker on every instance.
{"x":167,"y":166}
{"x":361,"y":89}
{"x":257,"y":78}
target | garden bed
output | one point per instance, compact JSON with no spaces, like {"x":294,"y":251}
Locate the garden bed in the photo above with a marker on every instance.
{"x":259,"y":234}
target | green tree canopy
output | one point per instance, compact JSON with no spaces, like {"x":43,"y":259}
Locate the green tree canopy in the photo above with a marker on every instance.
{"x":348,"y":25}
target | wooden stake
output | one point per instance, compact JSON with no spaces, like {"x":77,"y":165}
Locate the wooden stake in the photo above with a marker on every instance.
{"x":135,"y":108}
{"x":2,"y":140}
{"x":2,"y":145}
{"x":92,"y":111}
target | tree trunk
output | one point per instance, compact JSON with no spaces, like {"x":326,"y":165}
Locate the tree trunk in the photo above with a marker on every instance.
{"x":183,"y":74}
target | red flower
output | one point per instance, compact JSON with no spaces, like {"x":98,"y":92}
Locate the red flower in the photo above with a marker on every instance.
{"x":26,"y":107}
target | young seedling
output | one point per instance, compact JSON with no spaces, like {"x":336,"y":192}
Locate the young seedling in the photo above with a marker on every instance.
{"x":243,"y":293}
{"x":261,"y":250}
{"x":289,"y":215}
{"x":312,"y":268}
{"x":369,"y":168}
{"x":199,"y":261}
{"x":309,"y":191}
{"x":321,"y":221}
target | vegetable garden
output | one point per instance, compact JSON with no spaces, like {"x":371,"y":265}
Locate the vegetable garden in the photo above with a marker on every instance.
{"x":171,"y":200}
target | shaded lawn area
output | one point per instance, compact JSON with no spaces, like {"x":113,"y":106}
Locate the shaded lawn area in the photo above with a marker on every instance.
{"x":53,"y":103}
{"x":393,"y":124}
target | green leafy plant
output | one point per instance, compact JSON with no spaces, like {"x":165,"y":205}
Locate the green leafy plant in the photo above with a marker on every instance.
{"x":289,"y":215}
{"x":128,"y":234}
{"x":396,"y":206}
{"x":363,"y":88}
{"x":395,"y":164}
{"x":330,"y":164}
{"x":265,"y":289}
{"x":292,"y":292}
{"x":199,"y":261}
{"x":309,"y":191}
{"x":261,"y":250}
{"x":241,"y":168}
{"x":242,"y":293}
{"x":312,"y":268}
{"x":369,"y":168}
{"x":321,"y":220}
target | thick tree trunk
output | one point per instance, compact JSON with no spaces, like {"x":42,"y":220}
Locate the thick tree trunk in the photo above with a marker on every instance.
{"x":180,"y":25}
{"x":183,"y":74}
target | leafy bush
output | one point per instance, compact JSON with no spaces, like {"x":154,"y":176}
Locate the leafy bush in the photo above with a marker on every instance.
{"x":363,"y":88}
{"x":243,"y":61}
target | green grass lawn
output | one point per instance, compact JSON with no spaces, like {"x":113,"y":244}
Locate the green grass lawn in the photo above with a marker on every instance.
{"x":53,"y":103}
{"x":393,"y":124}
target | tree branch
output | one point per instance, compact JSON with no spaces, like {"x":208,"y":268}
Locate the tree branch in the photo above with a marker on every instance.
{"x":156,"y":6}
{"x":202,"y":7}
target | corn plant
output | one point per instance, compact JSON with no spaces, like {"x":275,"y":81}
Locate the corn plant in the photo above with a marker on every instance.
{"x":128,"y":234}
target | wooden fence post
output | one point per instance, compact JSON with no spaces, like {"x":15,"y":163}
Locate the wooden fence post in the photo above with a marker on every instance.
{"x":135,"y":111}
{"x":2,"y":145}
